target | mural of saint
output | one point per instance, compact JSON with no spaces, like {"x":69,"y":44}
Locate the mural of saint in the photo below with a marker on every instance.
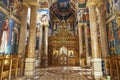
{"x":111,"y":38}
{"x":116,"y":4}
{"x":15,"y":39}
{"x":5,"y":36}
{"x":43,"y":17}
{"x":110,"y":33}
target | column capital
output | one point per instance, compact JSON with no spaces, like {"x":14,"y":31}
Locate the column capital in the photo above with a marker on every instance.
{"x":26,"y":4}
{"x":80,"y":24}
{"x":44,"y":25}
{"x":100,"y":4}
{"x":94,"y":2}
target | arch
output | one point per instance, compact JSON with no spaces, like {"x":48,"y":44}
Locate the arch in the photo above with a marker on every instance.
{"x":63,"y":50}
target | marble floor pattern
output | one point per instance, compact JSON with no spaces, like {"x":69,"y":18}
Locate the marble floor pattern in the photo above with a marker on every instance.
{"x":63,"y":73}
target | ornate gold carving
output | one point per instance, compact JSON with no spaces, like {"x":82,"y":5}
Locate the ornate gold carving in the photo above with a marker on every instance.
{"x":68,"y":41}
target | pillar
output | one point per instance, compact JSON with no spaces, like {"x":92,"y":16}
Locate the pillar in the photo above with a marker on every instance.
{"x":86,"y":44}
{"x":40,"y":45}
{"x":96,"y":60}
{"x":30,"y":57}
{"x":80,"y":41}
{"x":46,"y":45}
{"x":103,"y":34}
{"x":23,"y":28}
{"x":22,"y":41}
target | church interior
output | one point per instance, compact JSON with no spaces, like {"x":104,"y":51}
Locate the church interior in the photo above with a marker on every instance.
{"x":59,"y":39}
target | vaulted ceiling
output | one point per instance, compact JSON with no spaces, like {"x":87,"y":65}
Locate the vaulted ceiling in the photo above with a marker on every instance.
{"x":63,"y":9}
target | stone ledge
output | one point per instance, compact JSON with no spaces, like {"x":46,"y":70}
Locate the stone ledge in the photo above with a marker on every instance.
{"x":29,"y":59}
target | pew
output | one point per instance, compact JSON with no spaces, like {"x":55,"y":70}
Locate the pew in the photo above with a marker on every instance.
{"x":14,"y":66}
{"x":5,"y":67}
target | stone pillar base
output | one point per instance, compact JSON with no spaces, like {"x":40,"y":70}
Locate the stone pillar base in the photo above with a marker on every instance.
{"x":30,"y":67}
{"x":97,"y":68}
{"x":88,"y":61}
{"x":37,"y":63}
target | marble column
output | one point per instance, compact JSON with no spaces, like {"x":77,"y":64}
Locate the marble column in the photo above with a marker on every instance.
{"x":30,"y":57}
{"x":23,"y":28}
{"x":40,"y":45}
{"x":46,"y":45}
{"x":80,"y":25}
{"x":22,"y":40}
{"x":103,"y":34}
{"x":86,"y":44}
{"x":96,"y":60}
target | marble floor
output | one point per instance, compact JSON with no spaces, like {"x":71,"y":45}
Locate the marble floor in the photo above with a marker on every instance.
{"x":63,"y":73}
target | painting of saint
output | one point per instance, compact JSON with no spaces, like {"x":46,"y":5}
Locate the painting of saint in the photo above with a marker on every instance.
{"x":71,"y":54}
{"x":43,"y":17}
{"x":5,"y":36}
{"x":15,"y":39}
{"x":116,"y":4}
{"x":111,"y":38}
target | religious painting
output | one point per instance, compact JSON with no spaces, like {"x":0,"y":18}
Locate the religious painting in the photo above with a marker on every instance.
{"x":63,"y":4}
{"x":116,"y":5}
{"x":83,"y":16}
{"x":70,"y":54}
{"x":111,"y":38}
{"x":2,"y":19}
{"x":117,"y":33}
{"x":43,"y":16}
{"x":13,"y":5}
{"x":15,"y":39}
{"x":6,"y":36}
{"x":5,"y":30}
{"x":55,"y":54}
{"x":114,"y":37}
{"x":9,"y":43}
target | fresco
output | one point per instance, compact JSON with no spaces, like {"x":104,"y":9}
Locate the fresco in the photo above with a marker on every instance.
{"x":43,"y":17}
{"x":15,"y":39}
{"x":6,"y":35}
{"x":14,"y":6}
{"x":2,"y":18}
{"x":83,"y":15}
{"x":116,"y":5}
{"x":113,"y":37}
